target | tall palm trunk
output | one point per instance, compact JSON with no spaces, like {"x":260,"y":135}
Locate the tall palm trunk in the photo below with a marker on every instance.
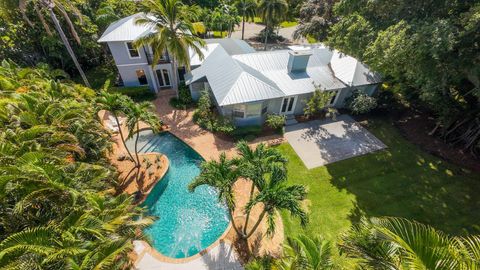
{"x":122,"y":137}
{"x":138,"y":165}
{"x":266,"y":34}
{"x":262,"y":215}
{"x":252,"y":190}
{"x":175,"y":75}
{"x":230,"y":212}
{"x":66,"y":44}
{"x":243,"y":24}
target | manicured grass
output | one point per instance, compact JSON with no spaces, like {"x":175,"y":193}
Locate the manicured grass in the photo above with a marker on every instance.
{"x":401,"y":181}
{"x":218,"y":34}
{"x":288,"y":24}
{"x":311,"y":40}
{"x":283,"y":24}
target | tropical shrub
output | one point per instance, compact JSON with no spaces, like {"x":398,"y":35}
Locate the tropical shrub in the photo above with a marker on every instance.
{"x":205,"y":117}
{"x":57,"y":210}
{"x":136,"y":93}
{"x":184,"y":99}
{"x":248,"y":133}
{"x":398,"y":243}
{"x":275,"y":121}
{"x":318,"y":102}
{"x":360,"y":102}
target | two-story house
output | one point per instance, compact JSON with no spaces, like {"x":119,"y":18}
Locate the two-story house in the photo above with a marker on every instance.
{"x":135,"y":65}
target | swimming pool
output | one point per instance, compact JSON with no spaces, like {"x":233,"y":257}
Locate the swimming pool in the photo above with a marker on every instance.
{"x":187,"y":222}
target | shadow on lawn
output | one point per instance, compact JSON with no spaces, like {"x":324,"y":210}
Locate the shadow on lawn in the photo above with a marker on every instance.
{"x":405,"y":182}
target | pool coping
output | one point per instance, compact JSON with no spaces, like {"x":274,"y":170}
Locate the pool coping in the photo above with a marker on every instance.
{"x":155,"y":253}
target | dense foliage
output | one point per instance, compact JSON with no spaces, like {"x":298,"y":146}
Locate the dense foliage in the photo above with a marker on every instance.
{"x":275,"y":121}
{"x":57,"y":210}
{"x":208,"y":119}
{"x":428,"y":50}
{"x":318,"y":102}
{"x":316,"y":17}
{"x":360,"y":102}
{"x":184,"y":99}
{"x":25,"y":38}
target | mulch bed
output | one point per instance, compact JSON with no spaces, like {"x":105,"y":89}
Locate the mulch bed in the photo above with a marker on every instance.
{"x":415,"y":125}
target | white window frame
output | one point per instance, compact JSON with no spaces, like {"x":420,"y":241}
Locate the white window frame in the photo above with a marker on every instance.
{"x":138,"y":78}
{"x":295,"y":98}
{"x":163,"y":77}
{"x":128,"y":51}
{"x":242,"y":108}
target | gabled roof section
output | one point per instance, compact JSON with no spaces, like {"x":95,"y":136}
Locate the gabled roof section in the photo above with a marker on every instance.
{"x":351,"y":71}
{"x":273,"y":66}
{"x":231,"y":81}
{"x":232,"y":46}
{"x":125,"y":30}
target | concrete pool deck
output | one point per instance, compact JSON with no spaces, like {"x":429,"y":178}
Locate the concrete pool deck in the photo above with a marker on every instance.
{"x":220,"y":257}
{"x":321,"y":142}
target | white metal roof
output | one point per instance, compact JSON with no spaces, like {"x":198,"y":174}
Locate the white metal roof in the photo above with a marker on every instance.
{"x":247,"y":77}
{"x":273,"y":65}
{"x":231,"y":81}
{"x":232,"y":46}
{"x":351,"y":71}
{"x":125,"y":30}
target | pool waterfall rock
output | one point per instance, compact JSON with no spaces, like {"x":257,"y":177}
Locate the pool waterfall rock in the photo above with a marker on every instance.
{"x":187,"y":223}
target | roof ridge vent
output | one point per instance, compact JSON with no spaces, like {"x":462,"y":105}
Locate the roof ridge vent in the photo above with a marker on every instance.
{"x":298,"y":60}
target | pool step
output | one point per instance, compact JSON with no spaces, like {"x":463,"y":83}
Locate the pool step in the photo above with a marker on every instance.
{"x":150,"y":145}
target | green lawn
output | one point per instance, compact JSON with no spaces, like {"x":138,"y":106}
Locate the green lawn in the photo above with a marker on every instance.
{"x":283,"y":24}
{"x":400,"y":181}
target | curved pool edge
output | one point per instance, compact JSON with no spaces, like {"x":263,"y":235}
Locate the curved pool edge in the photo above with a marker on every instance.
{"x":149,"y":248}
{"x":163,"y":258}
{"x":146,"y":193}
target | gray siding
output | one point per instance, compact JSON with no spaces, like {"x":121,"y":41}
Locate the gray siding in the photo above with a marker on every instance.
{"x":121,"y":55}
{"x":129,"y":75}
{"x":196,"y":89}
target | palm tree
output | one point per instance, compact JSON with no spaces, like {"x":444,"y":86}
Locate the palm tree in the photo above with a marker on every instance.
{"x":116,"y":104}
{"x":220,"y":175}
{"x":136,"y":113}
{"x":275,"y":195}
{"x":254,"y":164}
{"x":248,"y":10}
{"x":271,"y":12}
{"x":171,"y":32}
{"x":61,"y":6}
{"x":305,"y":252}
{"x":397,"y":243}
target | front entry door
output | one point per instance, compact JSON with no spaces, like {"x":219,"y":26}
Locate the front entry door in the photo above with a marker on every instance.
{"x":163,"y":77}
{"x":288,"y":105}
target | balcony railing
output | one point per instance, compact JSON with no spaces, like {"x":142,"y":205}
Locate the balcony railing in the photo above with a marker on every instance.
{"x":164,"y":60}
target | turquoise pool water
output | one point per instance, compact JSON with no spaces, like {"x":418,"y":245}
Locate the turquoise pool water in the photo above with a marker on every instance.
{"x":187,"y":222}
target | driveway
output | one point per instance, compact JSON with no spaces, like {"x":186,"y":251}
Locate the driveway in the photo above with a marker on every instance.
{"x":253,"y":29}
{"x":321,"y":142}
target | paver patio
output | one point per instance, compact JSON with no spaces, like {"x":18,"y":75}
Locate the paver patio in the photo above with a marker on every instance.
{"x":321,"y":142}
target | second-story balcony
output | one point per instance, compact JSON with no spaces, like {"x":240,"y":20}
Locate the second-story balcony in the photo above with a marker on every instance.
{"x":164,"y":60}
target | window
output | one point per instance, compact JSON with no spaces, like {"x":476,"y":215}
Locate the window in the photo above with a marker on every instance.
{"x":332,"y":100}
{"x":238,"y":114}
{"x":142,"y":79}
{"x":246,"y":111}
{"x":239,"y":111}
{"x":132,"y":51}
{"x":253,"y":110}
